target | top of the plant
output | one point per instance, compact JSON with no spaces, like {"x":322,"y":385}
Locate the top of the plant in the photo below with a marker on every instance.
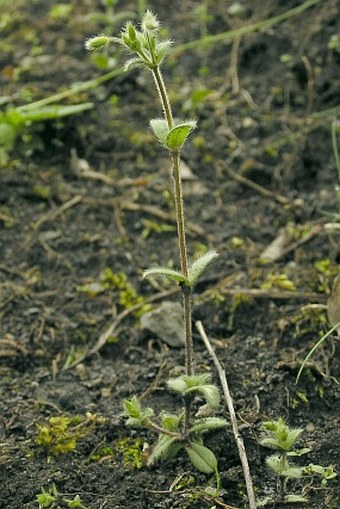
{"x":143,"y":42}
{"x":278,"y":435}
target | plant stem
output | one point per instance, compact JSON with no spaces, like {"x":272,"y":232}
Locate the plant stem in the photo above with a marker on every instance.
{"x":180,"y":220}
{"x":163,"y":431}
{"x":179,"y":210}
{"x":161,"y":88}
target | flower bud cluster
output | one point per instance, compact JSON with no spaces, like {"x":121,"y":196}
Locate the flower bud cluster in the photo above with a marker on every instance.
{"x":143,"y":42}
{"x":97,"y":42}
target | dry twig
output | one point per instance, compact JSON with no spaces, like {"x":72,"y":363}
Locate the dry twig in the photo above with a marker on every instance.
{"x":229,"y":401}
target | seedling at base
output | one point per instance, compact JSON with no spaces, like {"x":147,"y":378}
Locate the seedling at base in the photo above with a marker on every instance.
{"x":279,"y":436}
{"x":51,"y":499}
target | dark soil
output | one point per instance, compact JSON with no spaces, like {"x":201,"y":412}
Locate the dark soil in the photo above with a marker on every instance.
{"x":264,"y":105}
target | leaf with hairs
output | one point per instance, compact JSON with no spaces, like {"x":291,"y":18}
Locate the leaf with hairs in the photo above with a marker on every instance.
{"x":160,"y":129}
{"x":177,"y":135}
{"x":166,"y":447}
{"x":173,"y":274}
{"x":202,"y":458}
{"x":199,"y":266}
{"x":207,"y":424}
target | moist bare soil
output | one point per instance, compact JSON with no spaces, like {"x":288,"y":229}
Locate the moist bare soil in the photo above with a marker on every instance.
{"x":86,"y":205}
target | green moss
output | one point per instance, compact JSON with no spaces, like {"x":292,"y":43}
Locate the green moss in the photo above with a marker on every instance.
{"x":131,"y":450}
{"x":278,"y":281}
{"x":238,"y":300}
{"x":299,"y":397}
{"x":58,"y":436}
{"x":310,"y":320}
{"x":103,"y":452}
{"x":61,"y":433}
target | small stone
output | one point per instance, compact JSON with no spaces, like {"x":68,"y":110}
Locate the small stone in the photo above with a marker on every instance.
{"x":166,"y":322}
{"x":310,"y":428}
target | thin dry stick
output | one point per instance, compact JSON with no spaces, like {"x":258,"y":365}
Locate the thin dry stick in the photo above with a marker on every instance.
{"x":238,"y":438}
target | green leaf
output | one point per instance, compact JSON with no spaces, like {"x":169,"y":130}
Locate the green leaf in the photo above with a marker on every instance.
{"x":8,"y":134}
{"x":171,"y":422}
{"x":299,"y":452}
{"x":76,"y":503}
{"x":137,"y":416}
{"x":294,"y":472}
{"x":207,"y":424}
{"x":177,"y":135}
{"x":326,"y":472}
{"x":196,"y":380}
{"x":166,"y":447}
{"x":275,"y":463}
{"x":292,"y":436}
{"x":175,"y":275}
{"x":280,"y":436}
{"x":177,"y":385}
{"x":160,"y":129}
{"x":52,"y":112}
{"x":185,"y":383}
{"x":263,"y":501}
{"x":163,"y":49}
{"x":202,"y":458}
{"x":132,"y":63}
{"x":269,"y":442}
{"x":211,"y":394}
{"x":199,"y":266}
{"x":295,"y":498}
{"x":96,"y":43}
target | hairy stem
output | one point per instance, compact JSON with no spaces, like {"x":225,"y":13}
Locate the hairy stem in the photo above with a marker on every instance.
{"x":161,"y":88}
{"x":179,"y":206}
{"x":164,"y":431}
{"x":179,"y":210}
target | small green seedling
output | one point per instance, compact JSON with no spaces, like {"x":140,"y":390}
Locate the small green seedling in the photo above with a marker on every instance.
{"x":51,"y":499}
{"x":326,"y":473}
{"x":176,"y":431}
{"x":117,"y":284}
{"x":280,"y":437}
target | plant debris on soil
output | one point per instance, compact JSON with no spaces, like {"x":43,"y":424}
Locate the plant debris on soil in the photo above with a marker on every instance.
{"x":86,"y":206}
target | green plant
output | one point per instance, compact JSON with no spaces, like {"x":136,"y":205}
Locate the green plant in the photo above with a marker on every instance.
{"x":60,"y":11}
{"x":315,"y":347}
{"x":326,"y":473}
{"x":280,"y":437}
{"x":125,"y":294}
{"x":52,"y":499}
{"x":176,"y":431}
{"x":15,"y":120}
{"x":334,"y":43}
